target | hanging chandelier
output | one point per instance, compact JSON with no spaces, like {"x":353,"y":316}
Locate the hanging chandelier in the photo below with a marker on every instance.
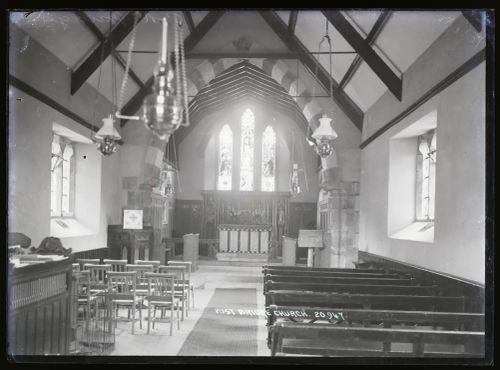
{"x":324,"y":134}
{"x":165,"y":110}
{"x":323,"y":137}
{"x":107,"y":137}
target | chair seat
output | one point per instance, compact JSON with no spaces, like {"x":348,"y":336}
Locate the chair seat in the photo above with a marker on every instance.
{"x":161,"y":302}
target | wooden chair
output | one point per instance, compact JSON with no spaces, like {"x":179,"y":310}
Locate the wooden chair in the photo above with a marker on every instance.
{"x":75,"y":267}
{"x":98,"y":276}
{"x":189,"y":283}
{"x":155,"y":264}
{"x":122,"y":292}
{"x":83,"y":261}
{"x":180,"y":287}
{"x":117,"y":265}
{"x":142,"y":281}
{"x":84,"y":298}
{"x":161,"y":294}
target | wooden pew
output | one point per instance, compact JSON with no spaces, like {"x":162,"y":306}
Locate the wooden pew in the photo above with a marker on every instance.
{"x":353,"y":288}
{"x":331,"y":340}
{"x":339,"y":280}
{"x":451,"y":320}
{"x":321,"y":269}
{"x":338,"y":272}
{"x":366,"y":301}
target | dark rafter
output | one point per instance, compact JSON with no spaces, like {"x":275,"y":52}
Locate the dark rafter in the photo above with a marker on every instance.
{"x":93,"y":61}
{"x":189,"y":20}
{"x":382,"y":70}
{"x":292,"y":21}
{"x":352,"y":111}
{"x":97,"y":32}
{"x":190,"y":42}
{"x":370,"y":39}
{"x":475,"y":18}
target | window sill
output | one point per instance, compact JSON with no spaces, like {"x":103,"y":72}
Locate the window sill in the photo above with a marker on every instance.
{"x":414,"y":232}
{"x":67,"y":228}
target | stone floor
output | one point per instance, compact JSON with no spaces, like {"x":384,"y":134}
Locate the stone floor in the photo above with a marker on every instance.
{"x":206,"y":279}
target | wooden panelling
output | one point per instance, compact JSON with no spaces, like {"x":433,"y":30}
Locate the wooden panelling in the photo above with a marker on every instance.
{"x":38,"y":310}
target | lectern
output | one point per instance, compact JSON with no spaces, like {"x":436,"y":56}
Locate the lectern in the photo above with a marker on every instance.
{"x":311,"y":239}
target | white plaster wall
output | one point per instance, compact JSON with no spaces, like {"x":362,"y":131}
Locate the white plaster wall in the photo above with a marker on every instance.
{"x":459,"y":240}
{"x":30,"y":127}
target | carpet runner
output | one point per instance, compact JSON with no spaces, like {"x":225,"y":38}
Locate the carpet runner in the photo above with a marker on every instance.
{"x":219,"y":332}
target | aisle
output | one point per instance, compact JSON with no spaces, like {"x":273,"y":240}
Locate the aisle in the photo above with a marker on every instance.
{"x":239,"y":287}
{"x":223,"y":330}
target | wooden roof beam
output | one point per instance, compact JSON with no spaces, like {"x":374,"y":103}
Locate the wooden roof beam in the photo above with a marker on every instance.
{"x":363,"y":48}
{"x":103,"y":50}
{"x":345,"y":103}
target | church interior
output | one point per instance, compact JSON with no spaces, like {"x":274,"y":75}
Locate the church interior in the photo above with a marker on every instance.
{"x":248,"y":183}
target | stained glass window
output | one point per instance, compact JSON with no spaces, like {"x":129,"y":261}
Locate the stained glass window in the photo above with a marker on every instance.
{"x":224,"y":181}
{"x":268,"y":159}
{"x":247,"y":149}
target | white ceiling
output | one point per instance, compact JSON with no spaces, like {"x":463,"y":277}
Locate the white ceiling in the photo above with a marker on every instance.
{"x":405,"y":36}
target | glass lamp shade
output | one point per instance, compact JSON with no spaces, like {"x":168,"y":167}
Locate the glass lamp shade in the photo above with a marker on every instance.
{"x":162,"y":110}
{"x":108,"y":129}
{"x":162,"y":114}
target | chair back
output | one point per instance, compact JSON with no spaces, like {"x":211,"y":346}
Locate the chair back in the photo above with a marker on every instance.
{"x":188,"y":265}
{"x":98,"y":273}
{"x":75,"y":267}
{"x":160,"y":286}
{"x":82,"y":284}
{"x":83,"y":261}
{"x":141,"y":270}
{"x":117,"y":265}
{"x":179,"y":273}
{"x":122,"y":284}
{"x":155,"y":264}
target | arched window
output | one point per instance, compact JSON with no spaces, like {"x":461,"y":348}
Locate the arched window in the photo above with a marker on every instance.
{"x":247,"y":149}
{"x":62,"y":178}
{"x":224,"y":181}
{"x":268,"y":159}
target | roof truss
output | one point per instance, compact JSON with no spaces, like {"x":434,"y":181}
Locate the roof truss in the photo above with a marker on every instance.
{"x":362,"y":46}
{"x":345,"y":103}
{"x":102,"y":51}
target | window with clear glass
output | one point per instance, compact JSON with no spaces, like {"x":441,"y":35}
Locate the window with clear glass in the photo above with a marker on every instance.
{"x":62,"y":178}
{"x":268,"y":171}
{"x":225,"y":165}
{"x":426,"y":176}
{"x":247,"y":150}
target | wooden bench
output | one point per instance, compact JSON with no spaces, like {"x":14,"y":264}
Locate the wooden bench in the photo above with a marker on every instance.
{"x":336,"y":274}
{"x":339,"y":280}
{"x":322,"y":269}
{"x":449,"y":320}
{"x":331,"y":340}
{"x":366,"y":301}
{"x":353,"y":288}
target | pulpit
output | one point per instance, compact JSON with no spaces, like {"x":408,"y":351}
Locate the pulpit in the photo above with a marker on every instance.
{"x":130,"y":244}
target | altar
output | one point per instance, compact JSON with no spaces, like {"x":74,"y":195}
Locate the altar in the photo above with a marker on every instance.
{"x":244,"y":238}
